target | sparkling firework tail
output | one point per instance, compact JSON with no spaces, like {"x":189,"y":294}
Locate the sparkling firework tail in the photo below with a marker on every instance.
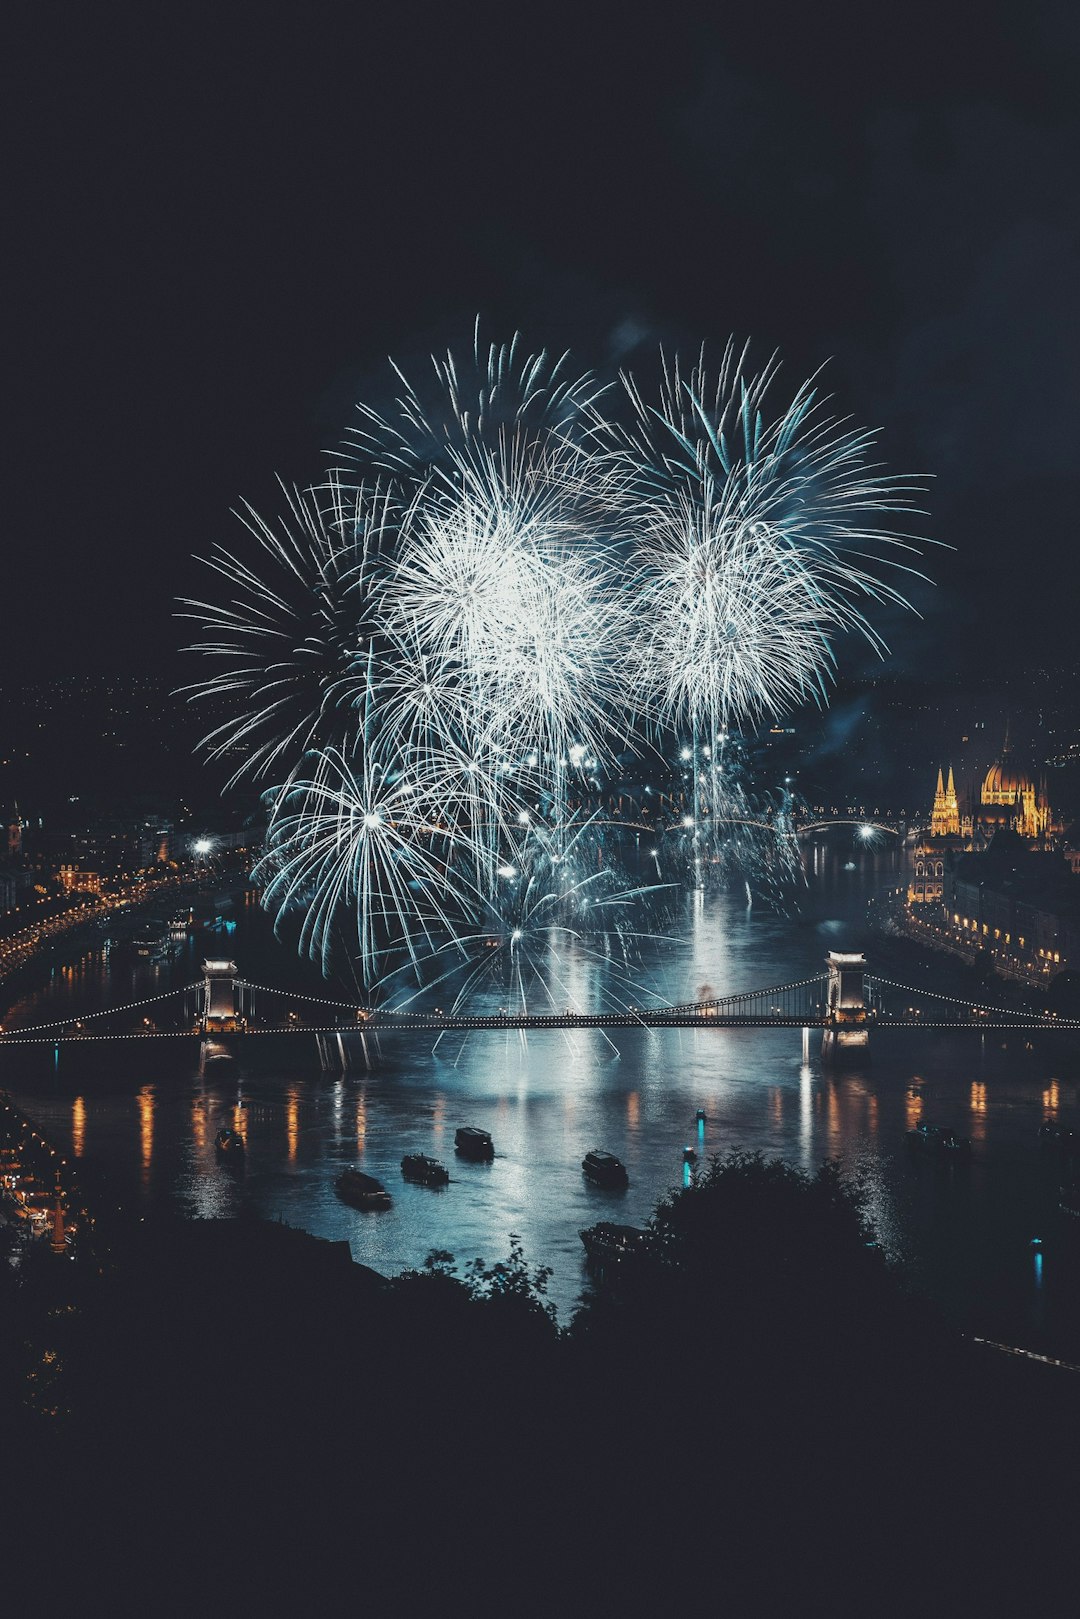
{"x":358,"y":838}
{"x":292,"y":645}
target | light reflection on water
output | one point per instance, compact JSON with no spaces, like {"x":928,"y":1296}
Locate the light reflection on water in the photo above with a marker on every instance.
{"x":78,"y":1127}
{"x":549,"y":1100}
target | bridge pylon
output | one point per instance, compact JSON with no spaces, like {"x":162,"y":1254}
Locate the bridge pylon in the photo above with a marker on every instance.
{"x":846,"y":1037}
{"x":219,"y":1012}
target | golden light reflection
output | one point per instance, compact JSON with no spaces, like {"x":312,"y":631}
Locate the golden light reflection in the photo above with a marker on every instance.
{"x":361,"y":1122}
{"x":978,"y":1110}
{"x":238,"y":1119}
{"x":633,"y":1110}
{"x":439,"y":1116}
{"x":914,"y":1108}
{"x":78,"y":1126}
{"x":832,"y":1105}
{"x":292,"y":1122}
{"x":872,"y":1114}
{"x":776,"y":1105}
{"x":146,"y":1125}
{"x":1052,"y":1097}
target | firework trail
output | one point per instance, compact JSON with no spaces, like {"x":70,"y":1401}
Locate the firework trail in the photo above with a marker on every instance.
{"x":292,"y":644}
{"x":362,"y":839}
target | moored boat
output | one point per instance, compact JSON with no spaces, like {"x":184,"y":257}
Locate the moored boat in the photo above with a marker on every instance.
{"x":471,"y":1142}
{"x":416,"y":1166}
{"x":604,"y":1169}
{"x":229,"y":1144}
{"x":361,"y":1191}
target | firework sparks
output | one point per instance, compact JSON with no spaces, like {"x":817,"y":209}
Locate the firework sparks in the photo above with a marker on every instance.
{"x":292,"y":644}
{"x":435,"y":675}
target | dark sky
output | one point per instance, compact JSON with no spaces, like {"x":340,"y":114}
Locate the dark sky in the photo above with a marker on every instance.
{"x":222,"y":221}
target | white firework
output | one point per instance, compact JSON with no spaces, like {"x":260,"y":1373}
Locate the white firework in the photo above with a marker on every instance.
{"x":291,"y":648}
{"x":357,"y":838}
{"x":428,"y":674}
{"x":731,"y":623}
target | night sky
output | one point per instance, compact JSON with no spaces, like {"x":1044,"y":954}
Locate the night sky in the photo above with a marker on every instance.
{"x":221,"y":222}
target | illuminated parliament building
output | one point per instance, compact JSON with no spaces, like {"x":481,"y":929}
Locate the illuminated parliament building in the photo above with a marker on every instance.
{"x":1009,"y":800}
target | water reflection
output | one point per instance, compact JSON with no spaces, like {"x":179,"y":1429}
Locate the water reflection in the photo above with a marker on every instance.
{"x":806,"y":1114}
{"x":146,"y":1128}
{"x":914,"y":1104}
{"x":78,"y":1126}
{"x":979,"y":1105}
{"x":292,"y":1121}
{"x":549,"y":1099}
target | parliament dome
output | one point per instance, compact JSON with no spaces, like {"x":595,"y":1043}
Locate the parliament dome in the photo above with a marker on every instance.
{"x":1005,"y":781}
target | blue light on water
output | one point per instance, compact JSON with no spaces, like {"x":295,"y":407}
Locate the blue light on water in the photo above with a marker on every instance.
{"x":686,"y":1174}
{"x":1038,"y":1267}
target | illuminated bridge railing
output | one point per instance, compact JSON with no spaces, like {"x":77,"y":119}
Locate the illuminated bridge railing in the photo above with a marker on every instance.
{"x":800,"y":1004}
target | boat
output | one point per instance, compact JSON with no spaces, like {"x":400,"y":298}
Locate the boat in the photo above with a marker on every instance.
{"x":180,"y":920}
{"x":151,"y":939}
{"x":604,"y":1169}
{"x":612,"y":1243}
{"x":416,"y":1166}
{"x":362,"y":1191}
{"x":229,"y":1144}
{"x":473,"y":1143}
{"x":1052,"y":1134}
{"x":933,"y":1138}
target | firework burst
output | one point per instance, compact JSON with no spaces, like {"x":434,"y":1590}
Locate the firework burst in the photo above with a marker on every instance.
{"x":292,"y":645}
{"x":434,"y":675}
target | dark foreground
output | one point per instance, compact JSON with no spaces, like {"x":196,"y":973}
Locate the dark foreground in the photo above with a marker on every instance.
{"x":232,"y":1417}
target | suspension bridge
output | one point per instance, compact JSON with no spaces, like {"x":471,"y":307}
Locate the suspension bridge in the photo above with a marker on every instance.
{"x":845,"y":1002}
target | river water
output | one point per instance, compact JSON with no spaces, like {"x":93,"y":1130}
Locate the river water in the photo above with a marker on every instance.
{"x":145,"y":1115}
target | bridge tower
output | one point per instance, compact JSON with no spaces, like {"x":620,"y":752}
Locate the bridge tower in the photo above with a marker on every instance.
{"x":219,"y":1011}
{"x":846,"y":1037}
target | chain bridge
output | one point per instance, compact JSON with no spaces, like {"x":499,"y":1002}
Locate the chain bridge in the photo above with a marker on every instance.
{"x":845,"y":1002}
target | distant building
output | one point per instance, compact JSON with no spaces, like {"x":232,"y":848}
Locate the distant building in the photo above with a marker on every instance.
{"x":1019,"y":904}
{"x":1009,"y":799}
{"x":77,"y":881}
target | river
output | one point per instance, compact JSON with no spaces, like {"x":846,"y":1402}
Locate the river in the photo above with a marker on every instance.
{"x":144,"y":1116}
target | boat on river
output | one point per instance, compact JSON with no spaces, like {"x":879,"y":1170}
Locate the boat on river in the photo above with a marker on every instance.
{"x":361,"y":1191}
{"x":424,"y":1171}
{"x":609,"y":1243}
{"x":471,"y":1142}
{"x":604,"y":1169}
{"x":229,"y":1144}
{"x":1059,"y":1136}
{"x":933,"y":1139}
